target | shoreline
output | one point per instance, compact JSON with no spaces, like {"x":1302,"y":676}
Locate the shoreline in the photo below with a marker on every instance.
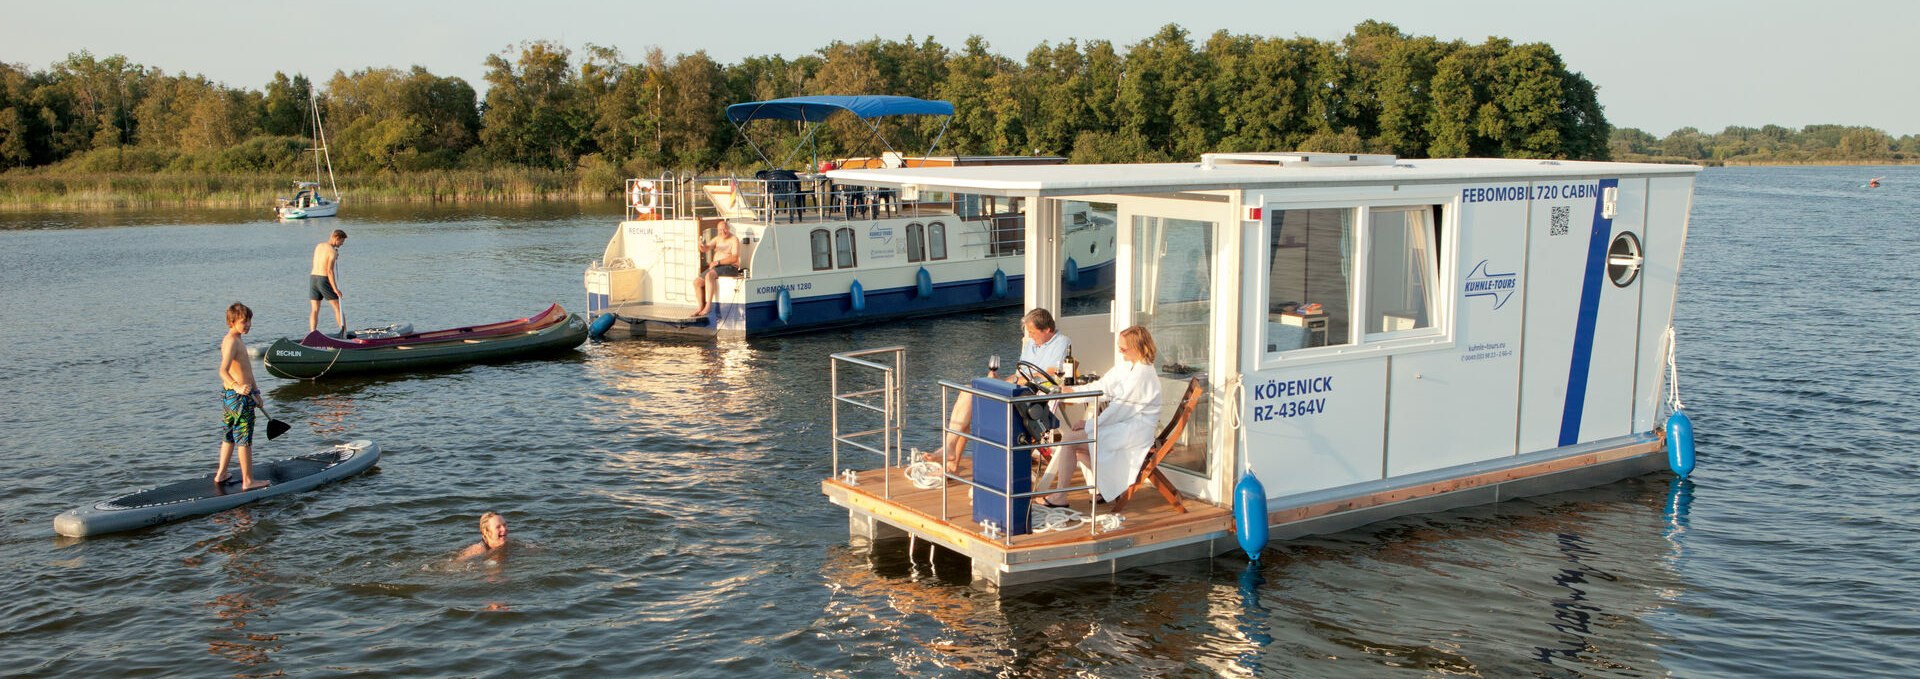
{"x":31,"y":192}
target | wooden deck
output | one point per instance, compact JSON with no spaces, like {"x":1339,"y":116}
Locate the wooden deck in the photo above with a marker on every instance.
{"x":1153,"y":532}
{"x":1148,"y":525}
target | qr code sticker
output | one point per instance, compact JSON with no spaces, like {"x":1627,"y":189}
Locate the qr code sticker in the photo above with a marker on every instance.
{"x":1558,"y":225}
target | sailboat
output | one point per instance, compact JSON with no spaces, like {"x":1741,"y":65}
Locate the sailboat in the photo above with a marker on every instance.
{"x":307,"y":201}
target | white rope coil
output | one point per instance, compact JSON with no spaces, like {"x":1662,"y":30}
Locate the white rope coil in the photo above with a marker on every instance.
{"x":926,"y":474}
{"x":1049,"y":519}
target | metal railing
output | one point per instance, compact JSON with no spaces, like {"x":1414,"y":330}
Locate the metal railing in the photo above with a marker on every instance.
{"x":886,"y":440}
{"x":1005,"y":536}
{"x":893,"y":400}
{"x":655,"y":198}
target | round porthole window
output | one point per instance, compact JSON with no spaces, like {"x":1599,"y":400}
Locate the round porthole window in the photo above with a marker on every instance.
{"x":1623,"y":259}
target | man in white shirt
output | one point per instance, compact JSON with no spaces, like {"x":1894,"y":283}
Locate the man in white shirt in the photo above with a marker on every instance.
{"x":1043,"y":346}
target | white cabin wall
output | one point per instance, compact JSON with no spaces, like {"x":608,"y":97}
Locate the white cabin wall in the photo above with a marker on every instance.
{"x":1552,"y":283}
{"x":1608,"y":410}
{"x":1460,"y":403}
{"x":1668,"y":206}
{"x":1339,"y":444}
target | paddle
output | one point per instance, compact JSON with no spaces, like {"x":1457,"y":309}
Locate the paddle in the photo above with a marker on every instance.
{"x":274,"y":427}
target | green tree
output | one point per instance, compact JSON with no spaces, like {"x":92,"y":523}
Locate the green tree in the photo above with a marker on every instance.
{"x":969,"y":87}
{"x":1630,"y":141}
{"x":284,"y":109}
{"x":529,"y":117}
{"x":1863,"y":143}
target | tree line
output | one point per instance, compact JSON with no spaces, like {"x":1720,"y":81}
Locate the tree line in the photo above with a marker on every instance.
{"x":592,"y":111}
{"x":1768,"y":144}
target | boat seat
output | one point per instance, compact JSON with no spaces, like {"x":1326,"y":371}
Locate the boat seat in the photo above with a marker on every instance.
{"x":783,"y":192}
{"x":1163,"y":444}
{"x":885,"y":200}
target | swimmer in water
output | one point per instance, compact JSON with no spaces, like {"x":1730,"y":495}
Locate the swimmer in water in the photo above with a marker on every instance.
{"x":493,"y":536}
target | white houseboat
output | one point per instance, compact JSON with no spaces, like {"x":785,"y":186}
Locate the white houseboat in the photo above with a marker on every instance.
{"x":1370,"y":336}
{"x":816,"y":254}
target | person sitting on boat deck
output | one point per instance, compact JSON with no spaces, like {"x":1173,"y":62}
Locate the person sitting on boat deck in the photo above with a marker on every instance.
{"x":1129,"y":413}
{"x":1041,"y":345}
{"x":724,"y":260}
{"x":493,"y":536}
{"x":238,"y":391}
{"x":324,"y":283}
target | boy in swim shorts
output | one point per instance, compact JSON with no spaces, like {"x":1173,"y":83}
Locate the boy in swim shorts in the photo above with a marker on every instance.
{"x":238,"y":391}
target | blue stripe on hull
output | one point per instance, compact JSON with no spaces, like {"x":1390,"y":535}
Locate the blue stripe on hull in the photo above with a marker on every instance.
{"x":1583,"y":332}
{"x":825,"y":311}
{"x":1093,"y":279}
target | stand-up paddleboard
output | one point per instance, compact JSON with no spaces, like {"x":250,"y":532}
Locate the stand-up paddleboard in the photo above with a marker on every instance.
{"x":195,"y":497}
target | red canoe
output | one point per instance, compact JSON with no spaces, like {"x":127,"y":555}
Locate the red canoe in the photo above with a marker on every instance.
{"x":553,"y":314}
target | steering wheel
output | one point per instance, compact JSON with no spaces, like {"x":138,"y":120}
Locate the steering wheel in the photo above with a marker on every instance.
{"x":1039,"y":379}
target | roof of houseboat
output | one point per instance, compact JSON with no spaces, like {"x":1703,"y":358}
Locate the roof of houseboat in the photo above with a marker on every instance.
{"x":1241,"y":170}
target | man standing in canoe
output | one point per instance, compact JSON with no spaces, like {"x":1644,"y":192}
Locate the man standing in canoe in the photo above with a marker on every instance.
{"x":323,"y":283}
{"x":238,"y":394}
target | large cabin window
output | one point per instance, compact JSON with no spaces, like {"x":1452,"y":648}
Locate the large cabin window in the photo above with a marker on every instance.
{"x":936,"y":240}
{"x":1309,"y":278}
{"x":843,"y":248}
{"x":1314,"y":298}
{"x":822,"y":249}
{"x":916,"y":242}
{"x":1401,"y":269}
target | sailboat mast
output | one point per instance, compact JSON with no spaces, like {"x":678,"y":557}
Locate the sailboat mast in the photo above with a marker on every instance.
{"x":320,"y":137}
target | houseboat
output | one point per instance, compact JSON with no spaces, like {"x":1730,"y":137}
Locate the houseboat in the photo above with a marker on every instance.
{"x":815,"y":253}
{"x":1367,"y":336}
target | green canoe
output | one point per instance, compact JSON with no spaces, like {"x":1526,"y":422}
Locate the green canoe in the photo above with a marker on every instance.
{"x":286,"y":358}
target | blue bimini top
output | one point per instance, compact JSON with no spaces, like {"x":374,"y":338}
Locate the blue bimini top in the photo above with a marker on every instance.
{"x":816,"y":109}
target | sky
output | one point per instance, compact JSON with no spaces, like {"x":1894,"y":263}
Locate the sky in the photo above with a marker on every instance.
{"x":1660,"y":66}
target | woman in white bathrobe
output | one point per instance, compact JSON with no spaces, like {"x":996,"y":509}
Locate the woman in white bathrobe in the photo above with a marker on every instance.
{"x":1124,"y":430}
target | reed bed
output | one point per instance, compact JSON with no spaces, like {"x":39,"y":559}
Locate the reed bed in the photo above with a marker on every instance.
{"x":108,"y":191}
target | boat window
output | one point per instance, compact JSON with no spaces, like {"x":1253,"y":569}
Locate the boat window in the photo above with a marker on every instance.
{"x":916,"y":242}
{"x":822,"y":250}
{"x":1401,"y":268}
{"x":843,"y":248}
{"x":967,"y":205}
{"x":1008,"y":227}
{"x":1623,"y":259}
{"x":1086,"y":277}
{"x":936,"y":240}
{"x":1309,"y":278}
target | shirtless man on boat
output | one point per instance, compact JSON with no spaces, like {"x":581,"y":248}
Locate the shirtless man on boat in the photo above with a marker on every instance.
{"x":724,"y":260}
{"x":323,"y":283}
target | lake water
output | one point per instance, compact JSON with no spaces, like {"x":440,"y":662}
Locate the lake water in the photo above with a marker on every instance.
{"x":668,"y":493}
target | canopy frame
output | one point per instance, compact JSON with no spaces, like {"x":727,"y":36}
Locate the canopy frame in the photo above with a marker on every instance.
{"x":816,"y":109}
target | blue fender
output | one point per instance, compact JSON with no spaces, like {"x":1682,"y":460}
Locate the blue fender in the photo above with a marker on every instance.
{"x":999,"y":284}
{"x":1250,"y":514}
{"x":859,"y":296}
{"x":925,"y":282}
{"x":783,"y":302}
{"x":601,"y":324}
{"x":1680,"y":443}
{"x":1073,"y":273}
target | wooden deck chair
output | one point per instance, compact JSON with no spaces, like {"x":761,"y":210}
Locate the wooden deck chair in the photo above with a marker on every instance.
{"x":1150,"y":473}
